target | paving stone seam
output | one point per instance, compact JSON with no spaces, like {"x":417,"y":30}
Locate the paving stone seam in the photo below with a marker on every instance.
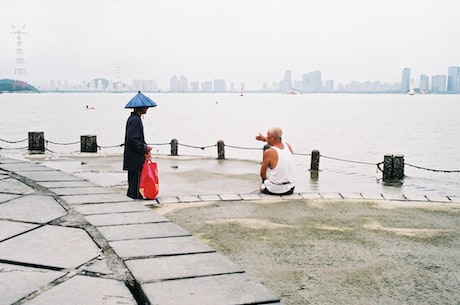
{"x":198,"y":198}
{"x":193,"y":277}
{"x":131,"y":223}
{"x":167,"y":255}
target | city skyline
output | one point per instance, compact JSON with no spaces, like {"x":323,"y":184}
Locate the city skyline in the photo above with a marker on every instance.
{"x":241,"y":41}
{"x":311,"y":82}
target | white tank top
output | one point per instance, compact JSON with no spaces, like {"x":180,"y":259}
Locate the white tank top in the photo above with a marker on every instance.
{"x":284,"y":171}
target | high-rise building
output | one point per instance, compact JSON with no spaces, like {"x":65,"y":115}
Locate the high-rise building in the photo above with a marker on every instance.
{"x":424,"y":83}
{"x":174,"y":84}
{"x":146,"y":85}
{"x":438,"y":83}
{"x":206,"y":86}
{"x":286,"y":83}
{"x":311,"y":82}
{"x":182,"y":84}
{"x":453,"y":79}
{"x":220,"y":85}
{"x":328,"y":86}
{"x":405,"y":82}
{"x":194,"y":86}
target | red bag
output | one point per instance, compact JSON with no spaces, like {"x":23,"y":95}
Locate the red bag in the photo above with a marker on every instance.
{"x":149,"y":186}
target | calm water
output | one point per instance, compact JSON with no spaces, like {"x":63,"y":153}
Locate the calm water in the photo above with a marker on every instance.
{"x":423,"y":128}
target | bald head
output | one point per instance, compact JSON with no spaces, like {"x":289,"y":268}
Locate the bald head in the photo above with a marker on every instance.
{"x":276,"y":132}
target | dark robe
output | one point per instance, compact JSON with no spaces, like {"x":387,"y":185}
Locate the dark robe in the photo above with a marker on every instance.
{"x":135,"y":149}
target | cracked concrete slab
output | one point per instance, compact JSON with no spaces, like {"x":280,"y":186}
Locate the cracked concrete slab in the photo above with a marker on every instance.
{"x":126,"y":218}
{"x":181,"y":266}
{"x":52,"y":246}
{"x":85,"y":290}
{"x":16,"y":282}
{"x":12,"y":228}
{"x":130,"y":249}
{"x":13,"y":186}
{"x":109,"y":208}
{"x":142,"y":231}
{"x":222,"y":289}
{"x":32,"y":208}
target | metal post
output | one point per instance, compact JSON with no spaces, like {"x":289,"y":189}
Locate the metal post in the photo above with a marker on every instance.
{"x":220,"y":150}
{"x":36,"y":142}
{"x":174,"y":147}
{"x":88,"y":143}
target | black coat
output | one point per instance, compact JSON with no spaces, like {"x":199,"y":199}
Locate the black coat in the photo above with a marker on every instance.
{"x":135,"y":146}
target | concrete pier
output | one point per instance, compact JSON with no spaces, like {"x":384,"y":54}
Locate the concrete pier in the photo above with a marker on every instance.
{"x":65,"y":240}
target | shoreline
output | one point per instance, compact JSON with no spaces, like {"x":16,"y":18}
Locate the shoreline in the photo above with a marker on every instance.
{"x":187,"y":175}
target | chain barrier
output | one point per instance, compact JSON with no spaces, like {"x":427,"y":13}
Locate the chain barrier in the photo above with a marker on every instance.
{"x":56,"y":143}
{"x":433,"y":170}
{"x":13,"y":142}
{"x":198,"y":147}
{"x":226,"y":145}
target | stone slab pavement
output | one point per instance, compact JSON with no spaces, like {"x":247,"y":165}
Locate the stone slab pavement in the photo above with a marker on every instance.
{"x":65,"y":240}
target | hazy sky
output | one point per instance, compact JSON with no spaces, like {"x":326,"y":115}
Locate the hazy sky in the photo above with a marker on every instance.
{"x":252,"y":41}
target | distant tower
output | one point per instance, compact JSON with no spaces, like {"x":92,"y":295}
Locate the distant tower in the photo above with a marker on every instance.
{"x":405,"y":82}
{"x":118,"y":83}
{"x":20,"y":66}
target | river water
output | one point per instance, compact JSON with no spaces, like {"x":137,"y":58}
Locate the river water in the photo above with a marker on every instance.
{"x":344,"y":127}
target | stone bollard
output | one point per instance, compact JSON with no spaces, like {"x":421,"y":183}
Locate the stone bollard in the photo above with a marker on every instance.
{"x":220,"y":150}
{"x":88,"y":143}
{"x":398,"y":167}
{"x":387,"y":167}
{"x":174,"y":147}
{"x":314,"y":164}
{"x":37,"y":142}
{"x":393,"y":167}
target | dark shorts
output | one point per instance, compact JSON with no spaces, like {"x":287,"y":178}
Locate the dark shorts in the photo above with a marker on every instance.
{"x":290,"y":192}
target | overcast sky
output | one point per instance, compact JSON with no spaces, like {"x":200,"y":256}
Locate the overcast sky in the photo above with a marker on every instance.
{"x":251,"y":41}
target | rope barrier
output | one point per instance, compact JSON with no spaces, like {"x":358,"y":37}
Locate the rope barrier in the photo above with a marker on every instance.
{"x":226,"y":145}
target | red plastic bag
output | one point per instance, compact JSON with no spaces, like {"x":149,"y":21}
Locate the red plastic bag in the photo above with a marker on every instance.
{"x":149,"y":186}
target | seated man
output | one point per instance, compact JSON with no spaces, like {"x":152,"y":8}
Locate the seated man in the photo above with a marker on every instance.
{"x":278,"y":168}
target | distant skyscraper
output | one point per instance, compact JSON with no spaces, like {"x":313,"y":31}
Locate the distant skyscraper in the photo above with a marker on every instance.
{"x":405,"y":82}
{"x":206,"y":86}
{"x":424,"y":83}
{"x":220,"y":85}
{"x":453,"y":79}
{"x":286,"y":83}
{"x":144,"y":85}
{"x":194,"y":86}
{"x":329,"y":86}
{"x":438,"y":83}
{"x":174,"y":84}
{"x":311,"y":82}
{"x":183,"y":84}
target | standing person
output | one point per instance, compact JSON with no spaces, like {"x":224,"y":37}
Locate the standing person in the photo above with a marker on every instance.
{"x":136,"y":151}
{"x":278,"y":169}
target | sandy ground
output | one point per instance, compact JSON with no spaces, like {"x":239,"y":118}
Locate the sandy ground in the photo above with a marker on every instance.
{"x":336,"y":252}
